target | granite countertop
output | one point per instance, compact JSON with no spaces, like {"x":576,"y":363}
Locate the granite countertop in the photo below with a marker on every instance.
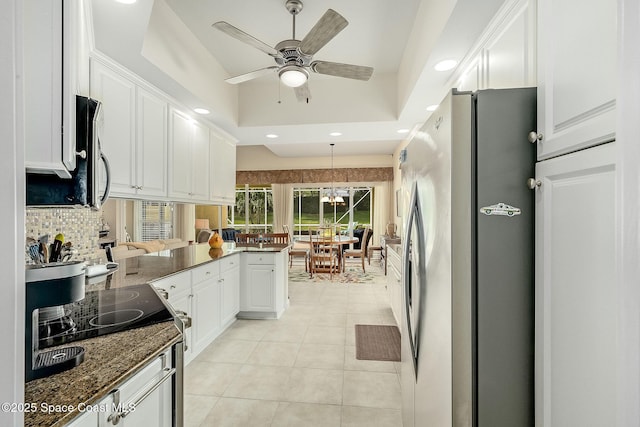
{"x":109,"y":360}
{"x":148,"y":267}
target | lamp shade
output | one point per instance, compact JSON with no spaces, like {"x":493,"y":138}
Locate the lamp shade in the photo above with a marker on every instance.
{"x":202,"y":223}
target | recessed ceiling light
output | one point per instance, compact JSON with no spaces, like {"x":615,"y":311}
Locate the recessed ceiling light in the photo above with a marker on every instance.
{"x":446,"y":65}
{"x":201,"y":110}
{"x":403,"y":131}
{"x":335,"y":134}
{"x":126,"y":1}
{"x":432,"y":107}
{"x":271,"y":135}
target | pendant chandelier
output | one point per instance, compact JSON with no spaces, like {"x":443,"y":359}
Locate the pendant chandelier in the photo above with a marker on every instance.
{"x":332,"y":197}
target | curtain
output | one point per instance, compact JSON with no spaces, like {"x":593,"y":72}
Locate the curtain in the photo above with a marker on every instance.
{"x":282,"y":206}
{"x":382,"y":203}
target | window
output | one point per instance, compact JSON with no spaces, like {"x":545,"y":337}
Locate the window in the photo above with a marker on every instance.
{"x":309,"y":212}
{"x":306,"y":209}
{"x":154,"y":220}
{"x":253,"y":211}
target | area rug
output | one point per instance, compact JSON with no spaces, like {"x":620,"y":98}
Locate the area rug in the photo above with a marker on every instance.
{"x":378,"y":342}
{"x":352,"y":275}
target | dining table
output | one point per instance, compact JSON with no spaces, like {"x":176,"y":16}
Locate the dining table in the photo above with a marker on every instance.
{"x":338,"y":240}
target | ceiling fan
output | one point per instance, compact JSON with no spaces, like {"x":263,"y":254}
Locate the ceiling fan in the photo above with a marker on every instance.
{"x":294,"y":58}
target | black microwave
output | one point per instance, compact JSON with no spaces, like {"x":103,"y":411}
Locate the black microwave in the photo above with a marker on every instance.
{"x":82,"y":189}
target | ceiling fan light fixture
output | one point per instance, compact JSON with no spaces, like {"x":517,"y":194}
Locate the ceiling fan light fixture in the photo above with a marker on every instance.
{"x":293,"y":76}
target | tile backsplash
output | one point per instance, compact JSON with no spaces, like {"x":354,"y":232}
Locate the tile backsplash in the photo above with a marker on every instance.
{"x":79,"y":226}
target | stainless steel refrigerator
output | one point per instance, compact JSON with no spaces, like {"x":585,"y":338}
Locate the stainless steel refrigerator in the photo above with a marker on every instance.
{"x":468,"y":267}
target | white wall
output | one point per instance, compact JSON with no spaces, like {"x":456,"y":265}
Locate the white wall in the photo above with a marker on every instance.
{"x":11,"y":213}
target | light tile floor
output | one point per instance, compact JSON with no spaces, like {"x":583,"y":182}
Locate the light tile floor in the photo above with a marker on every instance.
{"x":299,"y":370}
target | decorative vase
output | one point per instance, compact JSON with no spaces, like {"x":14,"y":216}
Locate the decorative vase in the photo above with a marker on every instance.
{"x":215,"y":241}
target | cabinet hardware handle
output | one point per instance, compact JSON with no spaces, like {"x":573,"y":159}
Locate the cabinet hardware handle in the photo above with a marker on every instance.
{"x":172,"y":287}
{"x":533,"y":183}
{"x":169,"y":372}
{"x":134,"y":187}
{"x":535,"y":137}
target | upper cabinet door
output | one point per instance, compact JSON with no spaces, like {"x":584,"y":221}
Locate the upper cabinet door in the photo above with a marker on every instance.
{"x":576,"y":74}
{"x":223,"y":169}
{"x":117,"y":135}
{"x":151,"y":145}
{"x":200,"y":162}
{"x":180,"y":130}
{"x":50,"y":35}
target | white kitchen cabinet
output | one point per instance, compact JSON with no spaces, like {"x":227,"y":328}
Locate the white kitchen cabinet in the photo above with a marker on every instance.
{"x":151,"y":145}
{"x":229,"y":290}
{"x":51,"y":36}
{"x":576,"y":299}
{"x":178,"y":289}
{"x":394,"y":282}
{"x":188,"y":159}
{"x":259,"y":289}
{"x":182,"y":305}
{"x":152,"y":409}
{"x":86,"y":419}
{"x":117,"y":131}
{"x":576,"y":75}
{"x":209,"y":294}
{"x":263,"y":285}
{"x":200,"y":163}
{"x":206,"y":312}
{"x":223,"y":169}
{"x":506,"y":55}
{"x":133,"y":134}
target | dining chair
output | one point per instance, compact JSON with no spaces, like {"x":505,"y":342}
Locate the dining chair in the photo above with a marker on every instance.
{"x":323,"y":255}
{"x":276,"y":238}
{"x":357,"y":253}
{"x":298,"y":249}
{"x":244,"y":238}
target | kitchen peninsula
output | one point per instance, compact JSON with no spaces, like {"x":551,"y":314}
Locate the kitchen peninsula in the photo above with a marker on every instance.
{"x":207,"y":290}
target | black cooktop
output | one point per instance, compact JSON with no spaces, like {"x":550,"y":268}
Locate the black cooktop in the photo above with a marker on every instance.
{"x":104,"y":312}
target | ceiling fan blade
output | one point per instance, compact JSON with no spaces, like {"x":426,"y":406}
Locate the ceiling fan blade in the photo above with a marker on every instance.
{"x":302,"y":93}
{"x":329,"y":25}
{"x":337,"y":69}
{"x":252,"y":75}
{"x":238,"y":34}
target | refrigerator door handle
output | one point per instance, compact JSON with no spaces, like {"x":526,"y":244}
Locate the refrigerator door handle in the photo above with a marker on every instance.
{"x":413,"y":242}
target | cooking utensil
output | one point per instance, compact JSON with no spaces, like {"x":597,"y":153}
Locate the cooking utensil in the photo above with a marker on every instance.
{"x":56,"y":247}
{"x":44,"y":249}
{"x":33,"y":250}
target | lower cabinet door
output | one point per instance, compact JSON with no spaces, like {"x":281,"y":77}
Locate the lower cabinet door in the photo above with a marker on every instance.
{"x":143,"y":400}
{"x":259,"y":294}
{"x":230,"y":295}
{"x":86,"y":419}
{"x":206,"y":313}
{"x":182,"y":303}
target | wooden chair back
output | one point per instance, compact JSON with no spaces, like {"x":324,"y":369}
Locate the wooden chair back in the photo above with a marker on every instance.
{"x":276,"y":238}
{"x":323,"y":255}
{"x":265,"y":238}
